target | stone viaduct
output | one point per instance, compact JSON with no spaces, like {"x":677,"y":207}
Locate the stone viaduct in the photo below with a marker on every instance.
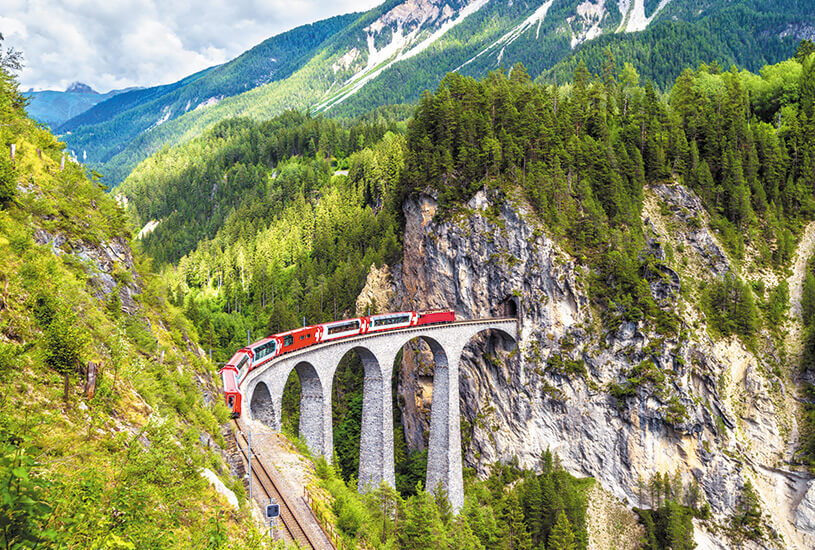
{"x":263,"y":396}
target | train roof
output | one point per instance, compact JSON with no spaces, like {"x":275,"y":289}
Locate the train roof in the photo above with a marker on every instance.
{"x":230,"y":383}
{"x":342,"y":321}
{"x":294,"y":330}
{"x":233,"y":361}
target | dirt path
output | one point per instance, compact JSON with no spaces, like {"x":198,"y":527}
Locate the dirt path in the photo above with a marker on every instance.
{"x":804,"y":251}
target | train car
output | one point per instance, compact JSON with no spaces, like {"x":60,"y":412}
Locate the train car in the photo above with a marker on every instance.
{"x":263,"y":351}
{"x":232,"y":394}
{"x":298,"y":338}
{"x":231,"y":374}
{"x":436,"y":316}
{"x":392,"y":321}
{"x":343,"y":329}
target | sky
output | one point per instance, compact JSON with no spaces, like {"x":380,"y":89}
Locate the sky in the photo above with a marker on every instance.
{"x":114,"y":44}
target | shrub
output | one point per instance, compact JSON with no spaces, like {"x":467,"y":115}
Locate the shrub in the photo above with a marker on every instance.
{"x":64,"y":342}
{"x":8,"y":180}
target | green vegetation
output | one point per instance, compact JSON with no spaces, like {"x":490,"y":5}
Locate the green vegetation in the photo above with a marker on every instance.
{"x":513,"y":509}
{"x":110,"y":463}
{"x":583,"y":154}
{"x":747,"y":522}
{"x":730,"y":307}
{"x":668,"y":522}
{"x":668,"y":45}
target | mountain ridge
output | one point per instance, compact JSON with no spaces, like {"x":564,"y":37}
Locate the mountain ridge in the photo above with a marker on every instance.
{"x":393,"y":52}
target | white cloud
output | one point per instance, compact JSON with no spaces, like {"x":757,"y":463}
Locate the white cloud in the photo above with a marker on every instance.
{"x":119,"y":43}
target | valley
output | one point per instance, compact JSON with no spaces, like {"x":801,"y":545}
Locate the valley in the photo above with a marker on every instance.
{"x":645,"y":211}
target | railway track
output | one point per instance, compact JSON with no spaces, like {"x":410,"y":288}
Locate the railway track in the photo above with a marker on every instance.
{"x":291,"y":525}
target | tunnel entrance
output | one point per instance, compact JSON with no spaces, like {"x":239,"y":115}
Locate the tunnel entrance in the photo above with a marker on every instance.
{"x":509,"y":307}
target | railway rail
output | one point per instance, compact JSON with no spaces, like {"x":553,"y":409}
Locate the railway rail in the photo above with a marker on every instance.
{"x":293,"y":528}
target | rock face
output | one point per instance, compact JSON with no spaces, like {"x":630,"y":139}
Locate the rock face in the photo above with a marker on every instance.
{"x":109,"y":265}
{"x":707,"y":411}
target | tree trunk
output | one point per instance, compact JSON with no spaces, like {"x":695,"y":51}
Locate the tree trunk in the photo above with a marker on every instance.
{"x":90,"y":380}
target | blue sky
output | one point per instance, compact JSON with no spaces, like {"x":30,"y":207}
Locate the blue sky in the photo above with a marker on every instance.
{"x":111,"y":44}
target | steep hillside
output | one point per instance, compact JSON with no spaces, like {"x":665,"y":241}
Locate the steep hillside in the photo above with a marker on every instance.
{"x":105,"y":436}
{"x":395,"y":51}
{"x":747,"y":34}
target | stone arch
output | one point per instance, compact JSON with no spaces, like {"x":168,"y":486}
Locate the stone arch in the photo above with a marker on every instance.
{"x":415,"y":390}
{"x":492,"y":330}
{"x":436,"y":348}
{"x":261,"y":405}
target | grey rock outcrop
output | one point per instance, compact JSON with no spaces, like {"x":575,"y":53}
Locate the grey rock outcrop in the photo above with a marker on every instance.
{"x":109,"y":265}
{"x":706,"y":410}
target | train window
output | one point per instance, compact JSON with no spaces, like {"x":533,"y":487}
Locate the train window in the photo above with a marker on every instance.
{"x":264,"y":350}
{"x":288,"y":340}
{"x":353,"y":325}
{"x":231,"y":401}
{"x":242,"y":366}
{"x":395,"y":320}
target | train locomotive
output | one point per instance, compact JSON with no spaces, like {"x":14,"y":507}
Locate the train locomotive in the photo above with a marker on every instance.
{"x":261,"y":352}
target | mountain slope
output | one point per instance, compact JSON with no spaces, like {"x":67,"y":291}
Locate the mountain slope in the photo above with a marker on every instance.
{"x":395,"y":51}
{"x":104,"y":432}
{"x":742,"y":35}
{"x":102,"y":131}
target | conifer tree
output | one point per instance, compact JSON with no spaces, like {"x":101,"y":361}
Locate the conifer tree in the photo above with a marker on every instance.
{"x":517,"y":533}
{"x":562,"y":536}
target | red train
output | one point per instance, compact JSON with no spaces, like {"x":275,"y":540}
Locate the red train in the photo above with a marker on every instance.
{"x":263,"y":351}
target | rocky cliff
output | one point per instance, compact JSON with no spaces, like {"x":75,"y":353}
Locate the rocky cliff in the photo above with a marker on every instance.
{"x":619,"y":405}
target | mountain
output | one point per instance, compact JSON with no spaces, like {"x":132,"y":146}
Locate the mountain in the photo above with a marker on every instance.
{"x":106,"y":129}
{"x":392,"y":53}
{"x":52,"y":107}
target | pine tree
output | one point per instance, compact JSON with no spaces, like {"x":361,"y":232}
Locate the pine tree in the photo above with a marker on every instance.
{"x":562,"y":536}
{"x":422,"y":528}
{"x":461,"y":536}
{"x":533,"y":508}
{"x":517,"y":533}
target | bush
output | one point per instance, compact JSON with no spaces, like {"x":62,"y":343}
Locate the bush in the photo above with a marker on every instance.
{"x":24,"y":513}
{"x":8,"y":180}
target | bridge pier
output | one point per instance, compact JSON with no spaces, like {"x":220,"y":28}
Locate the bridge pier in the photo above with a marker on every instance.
{"x":376,"y":437}
{"x":315,"y":411}
{"x":444,"y":468}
